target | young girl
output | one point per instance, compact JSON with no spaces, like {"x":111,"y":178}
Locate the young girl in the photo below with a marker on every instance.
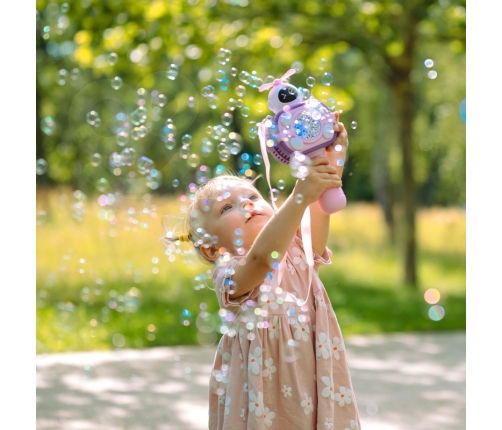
{"x":281,"y":361}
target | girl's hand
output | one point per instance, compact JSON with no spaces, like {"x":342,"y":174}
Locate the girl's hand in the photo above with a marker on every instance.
{"x":321,"y":176}
{"x":342,"y":137}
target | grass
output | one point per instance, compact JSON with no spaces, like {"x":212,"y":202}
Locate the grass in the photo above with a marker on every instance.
{"x":105,"y":281}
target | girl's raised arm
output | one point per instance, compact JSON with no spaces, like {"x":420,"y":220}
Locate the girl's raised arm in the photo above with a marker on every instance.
{"x":279,"y":231}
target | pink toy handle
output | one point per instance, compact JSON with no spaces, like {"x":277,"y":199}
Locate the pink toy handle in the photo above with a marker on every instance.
{"x":333,"y":199}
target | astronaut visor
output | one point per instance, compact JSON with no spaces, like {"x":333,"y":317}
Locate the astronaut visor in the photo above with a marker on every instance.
{"x":287,"y":94}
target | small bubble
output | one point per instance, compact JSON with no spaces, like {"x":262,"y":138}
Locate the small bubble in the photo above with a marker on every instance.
{"x":340,"y":162}
{"x":186,"y":139}
{"x":118,"y":340}
{"x":298,"y":66}
{"x":93,"y":118}
{"x":245,"y":111}
{"x":323,"y":62}
{"x":116,"y":82}
{"x":371,"y":409}
{"x":338,"y":148}
{"x":436,"y":312}
{"x":47,"y":125}
{"x":240,"y":90}
{"x":353,"y":125}
{"x":327,"y":79}
{"x":310,"y":81}
{"x":299,"y":198}
{"x":432,"y":296}
{"x":41,"y":217}
{"x":176,"y":183}
{"x":41,"y":166}
{"x":172,"y":72}
{"x":428,"y":63}
{"x":112,"y":59}
{"x":96,"y":159}
{"x":102,"y":184}
{"x":227,"y":119}
{"x":432,"y":74}
{"x":281,"y":183}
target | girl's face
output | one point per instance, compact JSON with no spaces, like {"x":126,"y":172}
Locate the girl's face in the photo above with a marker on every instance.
{"x":237,"y":216}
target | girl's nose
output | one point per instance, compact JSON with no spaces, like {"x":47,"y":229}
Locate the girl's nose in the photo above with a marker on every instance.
{"x":246,"y":203}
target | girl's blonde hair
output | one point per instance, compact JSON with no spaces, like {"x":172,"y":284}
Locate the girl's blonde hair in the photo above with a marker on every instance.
{"x":192,"y":224}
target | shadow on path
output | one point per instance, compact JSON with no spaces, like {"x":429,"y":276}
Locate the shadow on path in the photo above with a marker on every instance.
{"x":402,"y":382}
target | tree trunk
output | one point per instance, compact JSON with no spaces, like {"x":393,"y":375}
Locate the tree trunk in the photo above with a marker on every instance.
{"x":405,"y":98}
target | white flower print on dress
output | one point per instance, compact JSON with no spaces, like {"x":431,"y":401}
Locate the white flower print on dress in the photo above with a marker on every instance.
{"x":227,"y":356}
{"x":255,"y":360}
{"x":353,"y":426}
{"x":270,"y":368}
{"x":268,"y":417}
{"x":322,"y":346}
{"x":307,"y":404}
{"x":256,"y":403}
{"x":221,"y":400}
{"x":329,"y":390}
{"x":227,"y":402}
{"x":302,"y":331}
{"x":321,"y":301}
{"x":241,"y":335}
{"x":344,"y":396}
{"x":299,"y":258}
{"x":269,"y":301}
{"x":273,"y":328}
{"x":243,"y":414}
{"x":291,"y":269}
{"x":286,"y":391}
{"x":336,"y":347}
{"x":328,"y":423}
{"x":245,"y":387}
{"x":242,"y":360}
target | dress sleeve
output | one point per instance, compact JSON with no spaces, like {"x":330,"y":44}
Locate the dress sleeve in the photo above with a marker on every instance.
{"x":319,"y":259}
{"x":222,"y":281}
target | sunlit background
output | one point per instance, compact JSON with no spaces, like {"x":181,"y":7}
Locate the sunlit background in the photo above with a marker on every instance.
{"x":139,"y":102}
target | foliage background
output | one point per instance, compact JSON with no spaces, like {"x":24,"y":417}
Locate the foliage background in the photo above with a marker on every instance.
{"x":361,"y":43}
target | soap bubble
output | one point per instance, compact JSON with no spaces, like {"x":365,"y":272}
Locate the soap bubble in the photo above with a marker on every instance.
{"x":310,"y":81}
{"x":186,"y":139}
{"x":340,"y":162}
{"x":193,"y":160}
{"x":75,"y":74}
{"x":224,"y":56}
{"x":327,"y":79}
{"x":184,"y":151}
{"x":432,"y":296}
{"x":227,"y":118}
{"x":428,"y":63}
{"x":61,"y":77}
{"x":231,"y":104}
{"x":207,"y":146}
{"x":436,"y":312}
{"x":322,"y":63}
{"x":116,"y":82}
{"x":257,"y":159}
{"x":96,"y":159}
{"x":145,"y":165}
{"x":172,"y":72}
{"x":138,"y":116}
{"x":220,"y":75}
{"x":253,"y":132}
{"x":234,"y":71}
{"x":353,"y":125}
{"x":207,"y":91}
{"x":118,"y":340}
{"x":244,"y":77}
{"x":299,"y":198}
{"x":281,"y":183}
{"x":298,"y":66}
{"x":102,"y":184}
{"x":186,"y":317}
{"x":112,"y":59}
{"x":41,"y":166}
{"x":160,"y":100}
{"x":371,"y":409}
{"x":47,"y":125}
{"x":245,"y":111}
{"x":128,"y":156}
{"x":93,"y":118}
{"x":240,"y":90}
{"x":115,"y":160}
{"x":139,"y":132}
{"x":338,"y":147}
{"x":432,"y":74}
{"x":176,"y":183}
{"x":41,"y":217}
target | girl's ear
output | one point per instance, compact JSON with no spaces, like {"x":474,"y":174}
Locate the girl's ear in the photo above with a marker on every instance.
{"x":210,"y":254}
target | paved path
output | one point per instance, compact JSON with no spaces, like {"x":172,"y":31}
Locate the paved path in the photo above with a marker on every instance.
{"x":402,"y":382}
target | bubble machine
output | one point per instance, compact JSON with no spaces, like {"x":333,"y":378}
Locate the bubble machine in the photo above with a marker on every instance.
{"x":300,"y":126}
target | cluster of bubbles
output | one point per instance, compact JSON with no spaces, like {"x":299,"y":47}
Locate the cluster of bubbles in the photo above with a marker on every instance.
{"x":436,"y":312}
{"x":432,"y":74}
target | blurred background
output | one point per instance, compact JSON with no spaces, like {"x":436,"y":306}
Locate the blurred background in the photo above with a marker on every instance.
{"x":139,"y":102}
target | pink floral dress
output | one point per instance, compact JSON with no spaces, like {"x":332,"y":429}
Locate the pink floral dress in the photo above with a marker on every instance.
{"x":280,"y":364}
